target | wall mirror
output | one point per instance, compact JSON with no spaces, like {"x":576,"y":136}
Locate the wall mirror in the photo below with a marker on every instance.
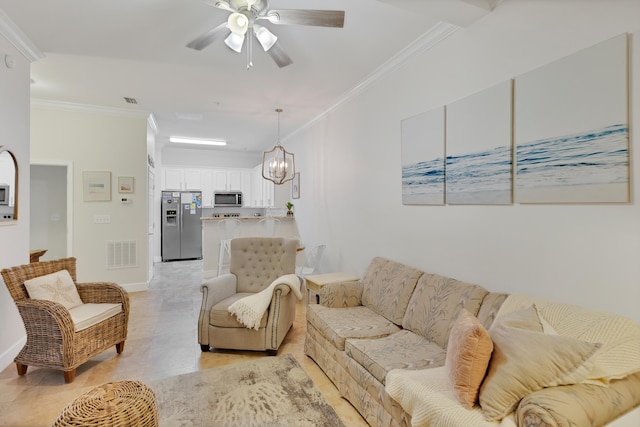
{"x":8,"y":186}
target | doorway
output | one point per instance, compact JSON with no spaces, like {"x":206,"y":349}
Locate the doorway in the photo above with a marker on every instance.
{"x":51,"y":209}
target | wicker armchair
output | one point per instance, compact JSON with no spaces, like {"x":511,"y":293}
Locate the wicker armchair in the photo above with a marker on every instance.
{"x":52,"y":341}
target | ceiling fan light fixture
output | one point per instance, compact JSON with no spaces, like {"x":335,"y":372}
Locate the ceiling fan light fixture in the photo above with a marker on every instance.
{"x":235,"y":41}
{"x":183,"y":140}
{"x":266,"y":38}
{"x":238,"y":23}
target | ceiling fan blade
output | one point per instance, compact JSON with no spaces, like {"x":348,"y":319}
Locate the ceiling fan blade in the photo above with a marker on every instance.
{"x":320,"y":18}
{"x":209,"y":37}
{"x":221,"y":4}
{"x":279,"y":56}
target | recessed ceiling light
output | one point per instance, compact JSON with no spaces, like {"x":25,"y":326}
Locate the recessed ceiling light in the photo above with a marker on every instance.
{"x":184,"y":140}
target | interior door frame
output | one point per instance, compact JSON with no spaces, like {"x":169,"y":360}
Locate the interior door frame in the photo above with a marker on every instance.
{"x":69,"y":165}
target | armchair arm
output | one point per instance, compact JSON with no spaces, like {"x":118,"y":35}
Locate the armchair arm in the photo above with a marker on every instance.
{"x":579,"y":404}
{"x":48,"y":324}
{"x":102,"y":292}
{"x":285,"y":289}
{"x":216,"y":289}
{"x":341,"y":294}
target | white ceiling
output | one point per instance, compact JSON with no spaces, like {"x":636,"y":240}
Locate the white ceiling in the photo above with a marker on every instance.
{"x":95,"y":53}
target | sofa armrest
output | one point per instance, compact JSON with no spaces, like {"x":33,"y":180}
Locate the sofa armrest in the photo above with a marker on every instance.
{"x":579,"y":404}
{"x":341,"y":294}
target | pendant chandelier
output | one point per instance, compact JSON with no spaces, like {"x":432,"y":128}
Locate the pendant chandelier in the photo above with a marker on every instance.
{"x":277,"y":164}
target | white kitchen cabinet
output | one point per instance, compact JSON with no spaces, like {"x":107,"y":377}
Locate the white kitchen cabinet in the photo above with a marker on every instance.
{"x":227,"y":179}
{"x":263,"y":190}
{"x":207,"y":188}
{"x":192,"y":179}
{"x":173,"y":179}
{"x":247,"y":188}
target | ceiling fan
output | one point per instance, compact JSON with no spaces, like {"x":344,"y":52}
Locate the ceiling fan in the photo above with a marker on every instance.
{"x":244,"y":18}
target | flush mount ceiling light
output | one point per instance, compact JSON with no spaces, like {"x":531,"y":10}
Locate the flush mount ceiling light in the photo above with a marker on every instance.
{"x":278,"y":164}
{"x":243,"y":18}
{"x":183,"y":140}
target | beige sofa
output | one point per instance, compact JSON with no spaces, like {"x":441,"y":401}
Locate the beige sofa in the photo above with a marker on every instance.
{"x":383,"y":340}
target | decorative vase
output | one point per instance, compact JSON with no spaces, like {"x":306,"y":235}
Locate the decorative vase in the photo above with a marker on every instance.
{"x":289,"y":213}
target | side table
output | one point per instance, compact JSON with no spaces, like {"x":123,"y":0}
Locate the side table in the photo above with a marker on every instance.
{"x":317,"y":281}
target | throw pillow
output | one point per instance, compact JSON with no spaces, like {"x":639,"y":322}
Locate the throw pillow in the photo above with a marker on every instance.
{"x":57,"y":287}
{"x":525,"y":360}
{"x":468,"y":354}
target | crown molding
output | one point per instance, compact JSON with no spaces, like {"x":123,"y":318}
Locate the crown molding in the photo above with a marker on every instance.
{"x":17,"y":38}
{"x":436,"y":34}
{"x":86,"y":108}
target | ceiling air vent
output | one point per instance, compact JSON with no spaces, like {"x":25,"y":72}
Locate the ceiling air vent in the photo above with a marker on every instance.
{"x":130,"y":100}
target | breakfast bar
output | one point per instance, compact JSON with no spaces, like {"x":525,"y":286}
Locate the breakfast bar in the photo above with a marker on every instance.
{"x":212,"y":234}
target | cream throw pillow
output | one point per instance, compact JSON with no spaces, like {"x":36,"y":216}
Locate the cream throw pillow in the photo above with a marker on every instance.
{"x":525,"y":360}
{"x":468,"y":354}
{"x":57,"y":287}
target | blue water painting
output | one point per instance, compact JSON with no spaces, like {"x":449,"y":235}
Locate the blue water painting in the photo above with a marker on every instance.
{"x":483,"y":177}
{"x":590,"y":166}
{"x":423,"y":182}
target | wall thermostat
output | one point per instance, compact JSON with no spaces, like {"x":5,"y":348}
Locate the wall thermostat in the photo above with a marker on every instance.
{"x":125,"y":200}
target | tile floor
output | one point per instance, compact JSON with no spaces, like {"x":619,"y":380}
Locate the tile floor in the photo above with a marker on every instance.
{"x":161,"y":343}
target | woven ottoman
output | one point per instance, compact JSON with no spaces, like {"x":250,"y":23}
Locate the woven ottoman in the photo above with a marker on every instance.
{"x":121,"y":403}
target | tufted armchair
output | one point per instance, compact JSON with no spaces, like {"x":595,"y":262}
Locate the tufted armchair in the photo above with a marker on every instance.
{"x":62,"y":338}
{"x":255,"y":262}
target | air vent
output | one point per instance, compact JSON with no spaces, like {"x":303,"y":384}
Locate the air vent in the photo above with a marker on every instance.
{"x":130,"y":100}
{"x":122,"y":254}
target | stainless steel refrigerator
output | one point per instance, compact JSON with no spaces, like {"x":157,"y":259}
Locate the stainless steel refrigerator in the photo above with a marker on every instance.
{"x":181,"y":225}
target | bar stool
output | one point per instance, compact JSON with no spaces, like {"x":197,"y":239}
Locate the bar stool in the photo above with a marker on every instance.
{"x":271,"y":226}
{"x":228,"y":230}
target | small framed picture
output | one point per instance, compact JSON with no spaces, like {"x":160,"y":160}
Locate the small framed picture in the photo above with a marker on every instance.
{"x":96,"y":186}
{"x":125,"y":184}
{"x":295,"y":186}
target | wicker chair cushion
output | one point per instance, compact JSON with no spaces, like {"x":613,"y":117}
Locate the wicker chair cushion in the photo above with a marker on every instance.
{"x":57,"y":287}
{"x":86,"y":315}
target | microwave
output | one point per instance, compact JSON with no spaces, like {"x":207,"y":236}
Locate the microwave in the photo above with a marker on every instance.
{"x":4,"y":194}
{"x":227,"y":199}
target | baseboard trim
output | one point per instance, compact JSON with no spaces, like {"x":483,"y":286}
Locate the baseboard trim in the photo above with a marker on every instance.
{"x":136,"y":287}
{"x":6,"y":358}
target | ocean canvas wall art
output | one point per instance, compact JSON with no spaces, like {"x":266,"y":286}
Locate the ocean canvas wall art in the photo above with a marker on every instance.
{"x":479,"y":148}
{"x":571,"y":128}
{"x":423,"y":158}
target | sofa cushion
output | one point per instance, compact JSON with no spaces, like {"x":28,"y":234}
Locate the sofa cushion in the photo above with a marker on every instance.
{"x":525,"y":360}
{"x":436,"y":304}
{"x":220,"y":316}
{"x":403,"y":349}
{"x":387,"y":288}
{"x":338,"y":324}
{"x":57,"y":287}
{"x":468,"y":354}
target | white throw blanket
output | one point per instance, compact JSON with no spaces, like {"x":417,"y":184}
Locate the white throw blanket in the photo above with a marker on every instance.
{"x":249,"y":310}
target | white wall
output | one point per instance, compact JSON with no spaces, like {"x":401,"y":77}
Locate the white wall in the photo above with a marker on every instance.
{"x":14,"y":238}
{"x":351,"y":178}
{"x":100,"y":141}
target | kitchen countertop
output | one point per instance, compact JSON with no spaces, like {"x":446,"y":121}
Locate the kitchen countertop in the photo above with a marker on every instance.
{"x":245,"y":218}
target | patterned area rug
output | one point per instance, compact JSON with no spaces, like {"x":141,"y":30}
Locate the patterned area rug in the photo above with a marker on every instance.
{"x":273,"y":391}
